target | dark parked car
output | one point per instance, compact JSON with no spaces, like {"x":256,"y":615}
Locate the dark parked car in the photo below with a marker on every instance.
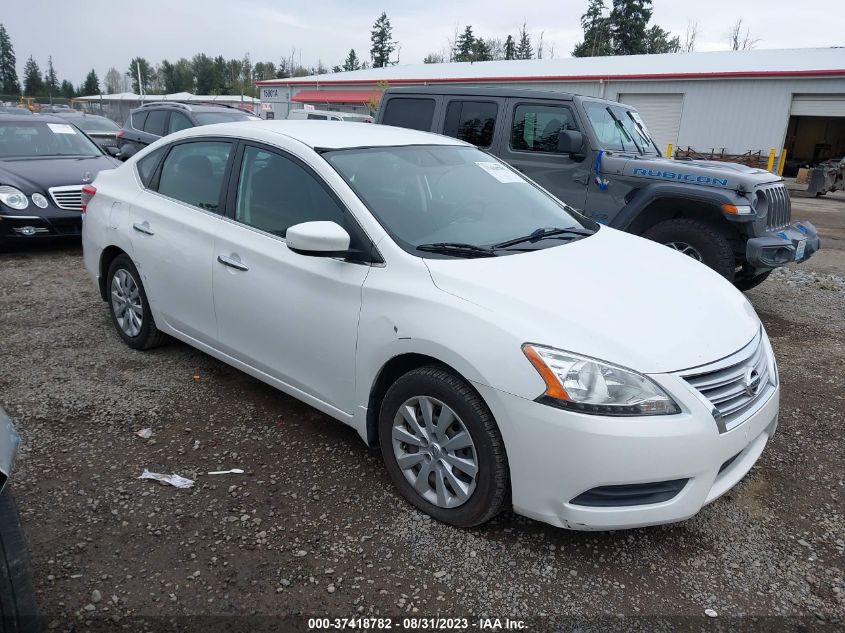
{"x":102,"y":131}
{"x":151,"y":121}
{"x":17,"y":599}
{"x":45,"y":162}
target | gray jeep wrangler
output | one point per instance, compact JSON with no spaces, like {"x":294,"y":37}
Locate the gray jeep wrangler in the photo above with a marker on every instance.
{"x":597,"y":156}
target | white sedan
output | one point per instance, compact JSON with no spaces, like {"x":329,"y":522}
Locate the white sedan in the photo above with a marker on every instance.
{"x":500,"y":347}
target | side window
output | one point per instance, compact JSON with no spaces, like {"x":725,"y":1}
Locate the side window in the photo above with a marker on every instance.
{"x":471,"y":121}
{"x":147,"y":165}
{"x":138,"y":120}
{"x":178,"y":121}
{"x":537,"y":127}
{"x":318,"y":117}
{"x":275,"y":192}
{"x":194,"y":173}
{"x":156,"y":122}
{"x":415,"y":114}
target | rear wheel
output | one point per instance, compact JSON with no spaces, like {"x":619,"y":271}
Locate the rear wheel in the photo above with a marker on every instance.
{"x":698,"y":240}
{"x":17,"y":598}
{"x":442,"y":447}
{"x":128,"y":305}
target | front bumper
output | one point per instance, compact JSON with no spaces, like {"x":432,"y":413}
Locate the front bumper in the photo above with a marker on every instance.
{"x":557,"y":455}
{"x":45,"y":223}
{"x":9,"y":441}
{"x":795,"y":243}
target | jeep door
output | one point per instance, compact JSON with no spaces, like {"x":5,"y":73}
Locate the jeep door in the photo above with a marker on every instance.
{"x":529,"y":144}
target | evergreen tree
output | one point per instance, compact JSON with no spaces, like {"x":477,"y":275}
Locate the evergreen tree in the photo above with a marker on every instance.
{"x":33,"y":85}
{"x":9,"y":84}
{"x":524,"y":50}
{"x":481,"y":50}
{"x":146,"y":72}
{"x":629,"y":20}
{"x":434,"y":58}
{"x":597,"y":32}
{"x":464,"y":46}
{"x":351,"y":62}
{"x":510,"y":48}
{"x":51,"y":81}
{"x":67,"y":90}
{"x":92,"y":84}
{"x":382,"y":42}
{"x":203,"y":67}
{"x":659,"y":41}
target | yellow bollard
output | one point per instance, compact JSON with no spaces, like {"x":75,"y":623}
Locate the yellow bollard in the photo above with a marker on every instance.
{"x":782,"y":162}
{"x":771,"y":162}
{"x":669,"y":150}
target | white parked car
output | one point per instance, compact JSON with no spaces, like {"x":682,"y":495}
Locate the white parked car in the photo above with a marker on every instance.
{"x":329,"y":115}
{"x":499,"y":346}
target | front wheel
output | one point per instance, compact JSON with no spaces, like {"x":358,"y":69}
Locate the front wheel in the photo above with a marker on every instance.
{"x":442,"y":447}
{"x":698,"y":240}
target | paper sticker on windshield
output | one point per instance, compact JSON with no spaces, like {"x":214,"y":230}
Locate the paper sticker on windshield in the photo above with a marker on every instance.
{"x":61,"y":128}
{"x":499,"y":172}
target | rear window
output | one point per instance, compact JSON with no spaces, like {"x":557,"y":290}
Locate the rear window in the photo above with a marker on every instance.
{"x":138,"y":120}
{"x":209,"y":118}
{"x":96,"y":124}
{"x":318,"y":117}
{"x":415,"y":114}
{"x":471,"y":121}
{"x":156,"y":122}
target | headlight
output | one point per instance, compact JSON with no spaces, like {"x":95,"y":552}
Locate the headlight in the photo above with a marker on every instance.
{"x":588,"y":385}
{"x":39,"y":201}
{"x":13,"y":198}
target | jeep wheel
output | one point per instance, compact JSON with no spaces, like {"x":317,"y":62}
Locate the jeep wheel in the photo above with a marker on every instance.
{"x":747,"y":283}
{"x":698,"y":240}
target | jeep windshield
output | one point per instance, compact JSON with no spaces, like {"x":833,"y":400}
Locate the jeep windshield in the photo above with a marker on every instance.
{"x":619,"y":128}
{"x":456,"y":201}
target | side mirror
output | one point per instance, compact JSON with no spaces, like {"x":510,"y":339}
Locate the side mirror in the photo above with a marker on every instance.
{"x":320,"y":239}
{"x":570,"y":141}
{"x":112,"y":151}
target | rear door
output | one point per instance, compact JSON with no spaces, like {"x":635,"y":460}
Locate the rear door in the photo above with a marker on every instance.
{"x":529,"y":144}
{"x":173,"y":224}
{"x":472,"y":119}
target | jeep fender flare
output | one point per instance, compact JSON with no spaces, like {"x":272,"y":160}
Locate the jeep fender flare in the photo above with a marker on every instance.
{"x":644,"y":197}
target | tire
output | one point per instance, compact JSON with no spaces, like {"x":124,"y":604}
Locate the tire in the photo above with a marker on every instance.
{"x":145,"y":336}
{"x":18,"y":612}
{"x":711,"y":246}
{"x":483,"y":495}
{"x":747,"y":283}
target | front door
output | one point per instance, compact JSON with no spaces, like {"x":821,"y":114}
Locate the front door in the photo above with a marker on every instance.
{"x":293,"y":317}
{"x":530,"y":146}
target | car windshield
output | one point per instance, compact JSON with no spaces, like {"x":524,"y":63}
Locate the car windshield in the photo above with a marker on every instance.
{"x":460,"y":197}
{"x":619,"y":128}
{"x":209,"y":118}
{"x":33,"y":139}
{"x":94,"y":124}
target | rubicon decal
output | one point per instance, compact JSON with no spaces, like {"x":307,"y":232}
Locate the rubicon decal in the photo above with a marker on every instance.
{"x":673,"y":175}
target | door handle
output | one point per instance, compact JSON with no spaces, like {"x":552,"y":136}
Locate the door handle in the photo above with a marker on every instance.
{"x":143,"y":227}
{"x":232,"y":263}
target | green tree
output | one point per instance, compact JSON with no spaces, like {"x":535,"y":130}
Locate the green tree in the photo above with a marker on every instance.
{"x":510,"y":48}
{"x":629,"y":21}
{"x":659,"y":41}
{"x":597,"y":32}
{"x":203,"y":67}
{"x":383,"y":45}
{"x":92,"y":84}
{"x":434,"y":58}
{"x":351,"y":62}
{"x":9,"y":83}
{"x":524,"y":50}
{"x":33,"y":85}
{"x":464,"y":46}
{"x":67,"y":90}
{"x":51,"y":81}
{"x":146,"y":71}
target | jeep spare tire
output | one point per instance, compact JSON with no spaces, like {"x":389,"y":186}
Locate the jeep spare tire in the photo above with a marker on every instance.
{"x":698,"y":240}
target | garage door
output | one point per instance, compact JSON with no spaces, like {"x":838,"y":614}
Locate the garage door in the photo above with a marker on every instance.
{"x":818,"y":105}
{"x":661,"y":114}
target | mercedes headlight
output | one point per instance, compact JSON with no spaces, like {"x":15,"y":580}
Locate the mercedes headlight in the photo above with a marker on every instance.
{"x":588,"y":385}
{"x":13,"y":198}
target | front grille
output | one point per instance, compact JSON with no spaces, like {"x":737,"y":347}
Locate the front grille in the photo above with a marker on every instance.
{"x":778,"y":206}
{"x":68,"y":198}
{"x":735,"y":384}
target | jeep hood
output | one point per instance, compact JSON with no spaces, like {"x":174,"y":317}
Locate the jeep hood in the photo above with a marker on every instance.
{"x":612,"y":296}
{"x":705,"y":173}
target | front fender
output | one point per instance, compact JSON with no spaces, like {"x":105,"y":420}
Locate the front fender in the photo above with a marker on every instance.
{"x":655,"y":191}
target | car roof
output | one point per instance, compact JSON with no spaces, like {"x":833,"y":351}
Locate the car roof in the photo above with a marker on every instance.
{"x":490,"y":91}
{"x":326,"y":134}
{"x":36,"y":118}
{"x":187,"y":107}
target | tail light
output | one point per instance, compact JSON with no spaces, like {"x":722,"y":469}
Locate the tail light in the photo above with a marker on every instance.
{"x":88,"y":192}
{"x":121,"y":133}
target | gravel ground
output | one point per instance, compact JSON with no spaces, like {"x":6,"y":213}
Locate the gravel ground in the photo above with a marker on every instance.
{"x":314,"y":527}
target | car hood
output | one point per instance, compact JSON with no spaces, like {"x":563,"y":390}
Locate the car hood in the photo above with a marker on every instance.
{"x":612,"y":296}
{"x":39,"y":174}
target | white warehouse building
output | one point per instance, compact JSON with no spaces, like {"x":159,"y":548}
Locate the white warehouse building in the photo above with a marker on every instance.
{"x":731,"y":101}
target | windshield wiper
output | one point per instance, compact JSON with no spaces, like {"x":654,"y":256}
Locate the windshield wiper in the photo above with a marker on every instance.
{"x":643,"y":132}
{"x":541,"y":234}
{"x":621,"y":127}
{"x":458,"y":249}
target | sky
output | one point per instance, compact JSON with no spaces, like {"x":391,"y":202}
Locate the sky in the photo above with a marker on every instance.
{"x":107,"y":33}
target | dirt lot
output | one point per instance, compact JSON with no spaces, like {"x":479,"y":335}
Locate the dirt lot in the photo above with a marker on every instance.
{"x":314,"y":527}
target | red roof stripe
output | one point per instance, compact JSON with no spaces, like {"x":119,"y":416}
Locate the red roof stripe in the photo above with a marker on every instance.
{"x":335,"y":96}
